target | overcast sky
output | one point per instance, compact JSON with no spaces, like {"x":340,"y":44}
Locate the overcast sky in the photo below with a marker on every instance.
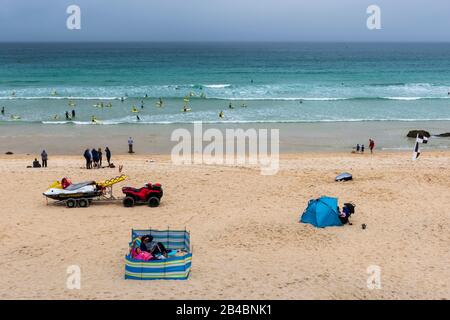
{"x":220,"y":20}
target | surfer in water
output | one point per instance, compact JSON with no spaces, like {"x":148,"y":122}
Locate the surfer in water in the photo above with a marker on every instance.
{"x":142,"y":104}
{"x":67,"y":115}
{"x":137,"y":118}
{"x":161,"y":102}
{"x":73,"y":113}
{"x":230,"y":106}
{"x":122,"y":99}
{"x":221,"y":114}
{"x":3,"y":111}
{"x":93,"y":119}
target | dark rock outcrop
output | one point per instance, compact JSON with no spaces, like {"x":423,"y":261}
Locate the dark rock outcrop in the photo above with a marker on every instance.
{"x":444,"y":135}
{"x":421,"y":133}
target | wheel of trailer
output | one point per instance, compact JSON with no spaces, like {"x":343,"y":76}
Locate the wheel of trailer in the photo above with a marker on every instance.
{"x":71,"y":203}
{"x":153,"y":202}
{"x":83,"y":203}
{"x":128,"y":202}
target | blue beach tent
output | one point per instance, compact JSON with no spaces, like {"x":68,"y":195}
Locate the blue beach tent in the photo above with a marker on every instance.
{"x":171,"y":268}
{"x":322,"y":212}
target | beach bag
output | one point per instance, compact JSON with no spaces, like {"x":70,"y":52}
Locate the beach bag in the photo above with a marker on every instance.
{"x":143,"y":255}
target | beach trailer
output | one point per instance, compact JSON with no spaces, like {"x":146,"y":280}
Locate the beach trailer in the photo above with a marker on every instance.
{"x":175,"y":267}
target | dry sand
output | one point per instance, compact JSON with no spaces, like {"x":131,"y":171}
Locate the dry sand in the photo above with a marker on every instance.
{"x":247,"y":242}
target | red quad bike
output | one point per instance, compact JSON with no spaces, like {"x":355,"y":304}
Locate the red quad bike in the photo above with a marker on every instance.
{"x":150,"y":194}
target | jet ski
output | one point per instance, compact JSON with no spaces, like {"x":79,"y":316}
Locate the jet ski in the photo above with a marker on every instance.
{"x":67,"y":190}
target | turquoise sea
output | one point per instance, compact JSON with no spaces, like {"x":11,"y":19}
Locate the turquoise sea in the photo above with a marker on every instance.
{"x":263,"y":82}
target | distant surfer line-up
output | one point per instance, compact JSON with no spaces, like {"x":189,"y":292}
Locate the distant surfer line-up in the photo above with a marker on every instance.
{"x":160,"y":103}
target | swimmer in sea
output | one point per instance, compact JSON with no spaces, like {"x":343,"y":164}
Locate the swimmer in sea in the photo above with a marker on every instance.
{"x":230,"y":106}
{"x":3,"y":111}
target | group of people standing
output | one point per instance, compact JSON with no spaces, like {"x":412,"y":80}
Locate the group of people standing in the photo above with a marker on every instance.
{"x":94,"y":158}
{"x":361,"y":148}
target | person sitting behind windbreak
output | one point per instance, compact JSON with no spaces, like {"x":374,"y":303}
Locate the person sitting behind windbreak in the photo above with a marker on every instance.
{"x":153,"y":247}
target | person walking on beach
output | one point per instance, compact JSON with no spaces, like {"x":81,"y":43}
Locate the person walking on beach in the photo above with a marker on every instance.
{"x":130,"y":145}
{"x":371,"y":145}
{"x":108,"y":156}
{"x":87,"y":155}
{"x":44,"y":157}
{"x":362,"y":148}
{"x":357,"y":147}
{"x":100,"y":157}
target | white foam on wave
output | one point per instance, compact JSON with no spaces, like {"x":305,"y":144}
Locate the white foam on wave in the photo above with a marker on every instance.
{"x":405,"y":98}
{"x":60,"y":98}
{"x":280,"y":98}
{"x":217,"y":86}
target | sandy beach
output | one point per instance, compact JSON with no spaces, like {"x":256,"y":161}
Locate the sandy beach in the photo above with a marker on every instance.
{"x":247,"y":242}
